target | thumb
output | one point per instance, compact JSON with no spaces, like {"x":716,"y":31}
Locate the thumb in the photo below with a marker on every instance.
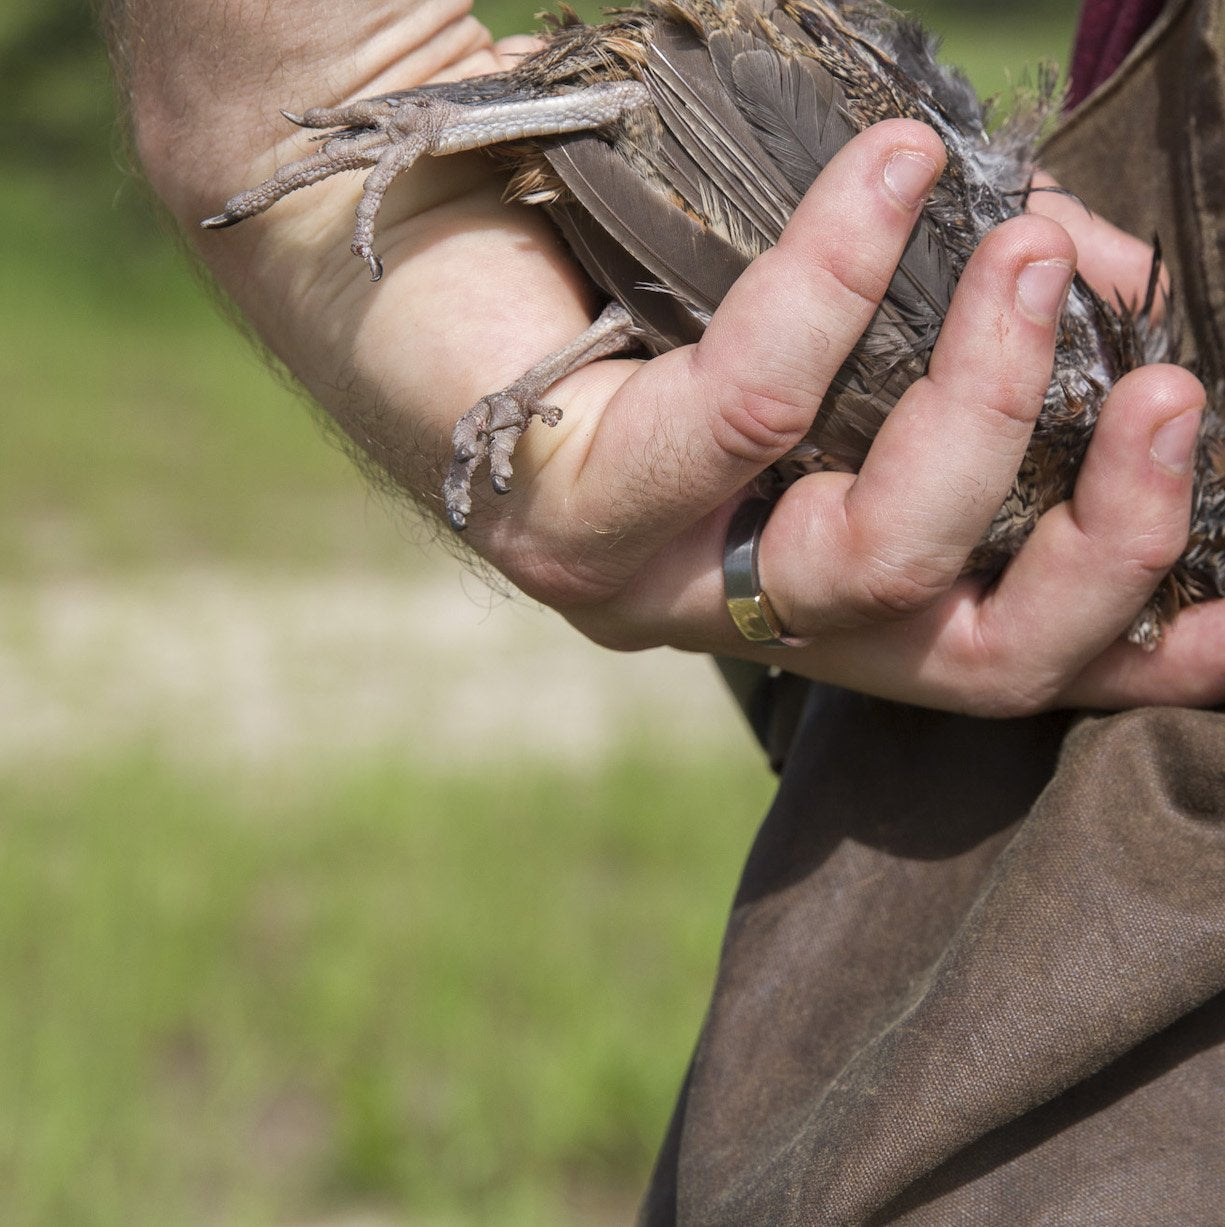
{"x":691,"y":428}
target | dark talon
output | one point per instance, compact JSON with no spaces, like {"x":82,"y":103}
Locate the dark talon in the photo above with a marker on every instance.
{"x":499,"y":484}
{"x":219,"y":222}
{"x":376,"y":265}
{"x":294,"y":119}
{"x":458,"y":520}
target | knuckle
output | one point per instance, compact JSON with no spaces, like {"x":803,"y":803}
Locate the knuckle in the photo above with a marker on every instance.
{"x":610,"y":633}
{"x":1013,"y":401}
{"x":858,"y":279}
{"x":1136,"y":555}
{"x":1007,"y":680}
{"x":589,"y":593}
{"x":1002,"y":686}
{"x":891,"y":591}
{"x":1153,"y":552}
{"x":758,"y":426}
{"x":561,"y":580}
{"x":996,"y":701}
{"x":996,"y":685}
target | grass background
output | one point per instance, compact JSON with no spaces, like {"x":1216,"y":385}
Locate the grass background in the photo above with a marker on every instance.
{"x":376,"y":986}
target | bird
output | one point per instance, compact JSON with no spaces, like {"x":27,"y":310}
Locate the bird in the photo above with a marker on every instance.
{"x":671,"y":143}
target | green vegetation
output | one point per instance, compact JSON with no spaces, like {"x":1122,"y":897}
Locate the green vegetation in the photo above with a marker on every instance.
{"x":269,"y":998}
{"x":300,"y":991}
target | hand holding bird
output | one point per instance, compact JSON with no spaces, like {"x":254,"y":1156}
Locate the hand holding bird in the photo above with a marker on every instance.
{"x":617,"y":518}
{"x":672,"y":144}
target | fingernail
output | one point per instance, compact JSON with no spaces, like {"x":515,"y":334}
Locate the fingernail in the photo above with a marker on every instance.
{"x":908,"y":175}
{"x":1041,"y":288}
{"x":1173,"y":446}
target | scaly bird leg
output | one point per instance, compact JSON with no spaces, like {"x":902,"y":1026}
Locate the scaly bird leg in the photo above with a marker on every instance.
{"x":391,"y":132}
{"x":491,"y":429}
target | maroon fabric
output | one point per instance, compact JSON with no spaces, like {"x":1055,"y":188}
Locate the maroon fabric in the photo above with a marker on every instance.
{"x":1108,"y":31}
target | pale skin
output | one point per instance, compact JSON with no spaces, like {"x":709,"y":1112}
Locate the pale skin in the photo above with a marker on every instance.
{"x":617,"y":517}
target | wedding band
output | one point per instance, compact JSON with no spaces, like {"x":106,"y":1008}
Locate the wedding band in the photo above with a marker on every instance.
{"x":747,"y":603}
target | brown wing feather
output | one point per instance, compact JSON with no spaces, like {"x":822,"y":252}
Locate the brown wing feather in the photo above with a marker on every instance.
{"x":676,"y":250}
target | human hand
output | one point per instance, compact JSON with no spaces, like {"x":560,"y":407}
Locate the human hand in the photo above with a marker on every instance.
{"x":869,"y":566}
{"x":618,"y":516}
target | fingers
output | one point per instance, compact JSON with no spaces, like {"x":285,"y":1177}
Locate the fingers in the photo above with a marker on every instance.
{"x":895,"y":538}
{"x":1186,"y":670}
{"x":842,"y":551}
{"x":694,"y":426}
{"x":1049,"y":633}
{"x":1093,"y":562}
{"x":1116,"y":264}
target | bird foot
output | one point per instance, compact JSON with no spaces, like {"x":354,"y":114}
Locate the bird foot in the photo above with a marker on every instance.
{"x":490,"y":431}
{"x":389,"y":133}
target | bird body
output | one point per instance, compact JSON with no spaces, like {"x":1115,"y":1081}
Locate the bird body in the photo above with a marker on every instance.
{"x":671,"y":145}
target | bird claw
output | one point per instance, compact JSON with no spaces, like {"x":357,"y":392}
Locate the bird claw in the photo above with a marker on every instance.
{"x":390,"y":132}
{"x":375,"y":134}
{"x":363,"y":251}
{"x":491,"y":430}
{"x":489,"y":433}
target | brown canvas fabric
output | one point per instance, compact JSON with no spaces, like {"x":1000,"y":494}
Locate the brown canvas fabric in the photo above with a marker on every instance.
{"x":1147,"y":150}
{"x":975,"y":971}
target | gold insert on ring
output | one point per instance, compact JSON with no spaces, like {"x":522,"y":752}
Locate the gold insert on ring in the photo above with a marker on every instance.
{"x":750,"y":608}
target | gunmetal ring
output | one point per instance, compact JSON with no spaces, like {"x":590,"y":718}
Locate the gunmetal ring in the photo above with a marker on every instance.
{"x":747,"y":603}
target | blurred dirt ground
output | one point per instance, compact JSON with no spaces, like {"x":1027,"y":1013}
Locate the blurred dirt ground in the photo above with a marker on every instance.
{"x":219,"y":664}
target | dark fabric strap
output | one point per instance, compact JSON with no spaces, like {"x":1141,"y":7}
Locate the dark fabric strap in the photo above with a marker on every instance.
{"x":771,"y":701}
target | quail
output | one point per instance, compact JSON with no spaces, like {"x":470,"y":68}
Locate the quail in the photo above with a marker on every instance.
{"x":670,"y":145}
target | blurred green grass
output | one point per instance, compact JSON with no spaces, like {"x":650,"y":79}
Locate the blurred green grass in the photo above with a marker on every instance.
{"x":376,"y":988}
{"x":298,"y":992}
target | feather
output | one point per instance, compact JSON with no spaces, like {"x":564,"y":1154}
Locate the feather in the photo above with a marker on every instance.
{"x":705,"y":119}
{"x":662,"y":320}
{"x":696,"y":264}
{"x":796,"y":110}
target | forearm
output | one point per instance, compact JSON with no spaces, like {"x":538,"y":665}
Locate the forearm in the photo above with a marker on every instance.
{"x":206,"y":81}
{"x":396,"y":364}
